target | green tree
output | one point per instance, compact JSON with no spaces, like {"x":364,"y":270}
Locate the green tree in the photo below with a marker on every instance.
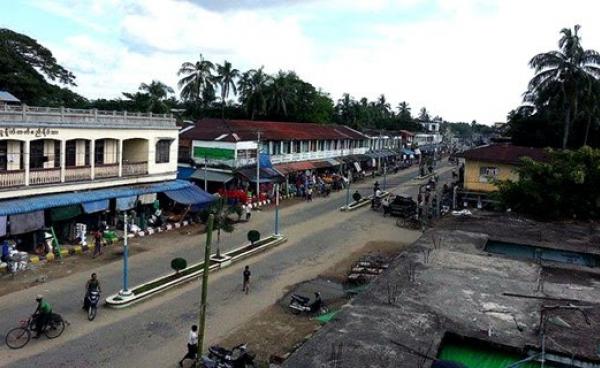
{"x":424,"y":115}
{"x":253,"y":236}
{"x":571,"y":68}
{"x":223,"y":221}
{"x":404,"y":112}
{"x":197,"y":79}
{"x":252,"y":86}
{"x":566,"y":186}
{"x":26,"y":67}
{"x":226,"y":78}
{"x":151,"y":97}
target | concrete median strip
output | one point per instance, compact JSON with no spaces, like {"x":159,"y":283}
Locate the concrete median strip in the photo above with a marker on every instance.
{"x":163,"y":283}
{"x":363,"y":202}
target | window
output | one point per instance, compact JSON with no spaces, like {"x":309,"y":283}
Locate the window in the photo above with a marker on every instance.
{"x":36,"y":152}
{"x":71,"y":154}
{"x":99,"y":152}
{"x":163,"y":150}
{"x":276,"y":148}
{"x":488,"y":174}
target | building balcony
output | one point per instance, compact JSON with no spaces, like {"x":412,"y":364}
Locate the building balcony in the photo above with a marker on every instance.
{"x":44,"y":176}
{"x":135,"y":168}
{"x":102,"y":171}
{"x":12,"y":178}
{"x":78,"y":173}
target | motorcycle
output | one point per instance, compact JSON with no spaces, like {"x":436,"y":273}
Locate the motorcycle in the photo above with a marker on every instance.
{"x":301,"y":304}
{"x":91,"y":303}
{"x":237,"y":357}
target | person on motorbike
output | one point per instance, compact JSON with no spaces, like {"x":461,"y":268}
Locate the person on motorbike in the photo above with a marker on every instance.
{"x":42,"y":315}
{"x":315,"y":306}
{"x":93,"y":284}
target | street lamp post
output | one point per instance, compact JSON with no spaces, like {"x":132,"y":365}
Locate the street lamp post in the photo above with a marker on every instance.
{"x":202,"y":316}
{"x":125,"y":291}
{"x":277,"y":210}
{"x":348,"y":189}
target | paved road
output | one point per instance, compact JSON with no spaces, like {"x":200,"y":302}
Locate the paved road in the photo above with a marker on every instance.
{"x":152,"y":334}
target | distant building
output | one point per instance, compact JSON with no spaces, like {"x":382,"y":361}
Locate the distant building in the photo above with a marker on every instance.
{"x":487,"y":164}
{"x":7,"y":98}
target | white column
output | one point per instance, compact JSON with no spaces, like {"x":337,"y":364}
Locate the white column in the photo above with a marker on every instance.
{"x":93,"y":158}
{"x":63,"y":160}
{"x":120,"y":156}
{"x":26,"y":160}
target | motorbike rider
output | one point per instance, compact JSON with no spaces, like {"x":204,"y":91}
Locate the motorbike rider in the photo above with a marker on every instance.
{"x":42,"y":315}
{"x":315,"y":306}
{"x":93,"y":284}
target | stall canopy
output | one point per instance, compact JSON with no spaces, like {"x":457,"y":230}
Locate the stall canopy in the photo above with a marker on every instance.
{"x":292,"y":167}
{"x":95,"y":206}
{"x":267,"y":175}
{"x":184,"y":172}
{"x":65,"y":212}
{"x":37,"y":203}
{"x":191,"y":195}
{"x":214,"y":176}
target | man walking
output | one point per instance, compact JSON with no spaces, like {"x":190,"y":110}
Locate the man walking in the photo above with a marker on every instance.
{"x":246,"y":285}
{"x":192,"y":345}
{"x":97,"y":243}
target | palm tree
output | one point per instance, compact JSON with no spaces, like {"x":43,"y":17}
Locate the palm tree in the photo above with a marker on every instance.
{"x":572,"y":67}
{"x":424,"y":115}
{"x":404,"y":111}
{"x":252,"y":85}
{"x":383,"y":106}
{"x":280,"y":94}
{"x":197,"y":77}
{"x":591,"y":109}
{"x":223,"y":220}
{"x":151,"y":97}
{"x":226,"y":76}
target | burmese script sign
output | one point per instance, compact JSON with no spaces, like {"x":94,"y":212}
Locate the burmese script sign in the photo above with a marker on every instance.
{"x":27,"y":132}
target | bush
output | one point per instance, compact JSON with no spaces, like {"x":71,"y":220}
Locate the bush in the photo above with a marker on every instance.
{"x":178,"y":264}
{"x":253,"y":236}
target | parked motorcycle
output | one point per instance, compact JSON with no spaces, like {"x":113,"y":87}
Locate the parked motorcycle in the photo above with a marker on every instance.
{"x":237,"y":357}
{"x":301,"y":304}
{"x":91,"y":303}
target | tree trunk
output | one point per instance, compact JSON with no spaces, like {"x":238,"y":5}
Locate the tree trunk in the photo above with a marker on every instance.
{"x":567,"y":127}
{"x":587,"y":129}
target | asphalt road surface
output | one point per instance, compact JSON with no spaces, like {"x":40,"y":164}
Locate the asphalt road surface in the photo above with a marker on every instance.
{"x":153,"y":333}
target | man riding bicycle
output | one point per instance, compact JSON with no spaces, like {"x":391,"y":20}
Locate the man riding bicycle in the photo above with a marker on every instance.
{"x":42,"y":315}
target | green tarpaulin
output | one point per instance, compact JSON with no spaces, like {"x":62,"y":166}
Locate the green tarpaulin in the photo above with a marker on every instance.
{"x":214,"y":153}
{"x":327,"y":317}
{"x":481,"y":357}
{"x":65,"y":213}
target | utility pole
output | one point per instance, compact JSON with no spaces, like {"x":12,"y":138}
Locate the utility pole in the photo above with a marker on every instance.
{"x":380,"y":150}
{"x":202,"y":316}
{"x":205,"y":177}
{"x":384,"y":175}
{"x":348,"y":189}
{"x":258,"y":166}
{"x":125,"y":291}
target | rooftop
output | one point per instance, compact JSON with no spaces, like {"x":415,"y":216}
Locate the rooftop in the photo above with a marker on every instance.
{"x":8,"y":97}
{"x":456,"y":288}
{"x":246,"y":130}
{"x":23,"y":116}
{"x":505,"y":153}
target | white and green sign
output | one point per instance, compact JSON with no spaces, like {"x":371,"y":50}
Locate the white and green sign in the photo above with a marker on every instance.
{"x":214,"y":153}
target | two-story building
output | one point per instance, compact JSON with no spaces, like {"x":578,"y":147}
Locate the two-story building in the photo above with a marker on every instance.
{"x":57,"y":164}
{"x":228,"y":146}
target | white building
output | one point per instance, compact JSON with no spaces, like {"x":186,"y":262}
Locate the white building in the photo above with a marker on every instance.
{"x":52,"y":150}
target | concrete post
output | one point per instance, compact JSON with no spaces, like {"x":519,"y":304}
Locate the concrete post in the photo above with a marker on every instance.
{"x":26,"y":160}
{"x":63,"y":160}
{"x":120,"y":155}
{"x":93,"y":158}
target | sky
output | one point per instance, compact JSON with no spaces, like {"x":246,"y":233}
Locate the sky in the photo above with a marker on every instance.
{"x":462,"y":59}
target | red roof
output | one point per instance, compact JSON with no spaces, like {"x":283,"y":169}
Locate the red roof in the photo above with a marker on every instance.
{"x":246,"y":130}
{"x":505,"y":153}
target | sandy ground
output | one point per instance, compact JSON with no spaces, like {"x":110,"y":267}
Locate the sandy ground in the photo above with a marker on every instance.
{"x":276,"y":331}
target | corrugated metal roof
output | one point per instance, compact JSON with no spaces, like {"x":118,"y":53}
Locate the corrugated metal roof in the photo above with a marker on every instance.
{"x":7,"y":97}
{"x":215,"y":176}
{"x":246,"y":130}
{"x":505,"y":153}
{"x":31,"y":204}
{"x":191,"y":195}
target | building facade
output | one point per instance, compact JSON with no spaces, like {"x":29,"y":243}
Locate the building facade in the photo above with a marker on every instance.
{"x":485,"y":166}
{"x":53,"y":150}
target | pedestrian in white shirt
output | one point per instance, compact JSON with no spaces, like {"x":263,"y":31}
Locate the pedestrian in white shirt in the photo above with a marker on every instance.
{"x":192,"y":345}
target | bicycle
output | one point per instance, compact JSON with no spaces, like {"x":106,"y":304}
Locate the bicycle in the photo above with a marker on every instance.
{"x":18,"y":337}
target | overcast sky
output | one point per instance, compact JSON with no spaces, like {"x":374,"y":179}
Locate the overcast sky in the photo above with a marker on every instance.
{"x":462,"y":59}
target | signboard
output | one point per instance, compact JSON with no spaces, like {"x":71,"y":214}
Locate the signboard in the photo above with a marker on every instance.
{"x":23,"y":132}
{"x":214,"y":153}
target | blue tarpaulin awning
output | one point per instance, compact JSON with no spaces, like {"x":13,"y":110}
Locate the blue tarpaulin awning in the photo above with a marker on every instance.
{"x":95,"y":206}
{"x":37,"y":203}
{"x":191,"y":195}
{"x":184,"y":173}
{"x":126,"y":203}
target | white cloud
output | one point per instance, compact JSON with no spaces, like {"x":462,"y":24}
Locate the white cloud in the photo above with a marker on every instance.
{"x":468,"y":60}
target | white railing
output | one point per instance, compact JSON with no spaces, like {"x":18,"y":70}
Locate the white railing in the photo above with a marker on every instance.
{"x":44,"y":176}
{"x":12,"y":178}
{"x":106,"y":171}
{"x":78,"y":173}
{"x":56,"y":115}
{"x":135,"y":168}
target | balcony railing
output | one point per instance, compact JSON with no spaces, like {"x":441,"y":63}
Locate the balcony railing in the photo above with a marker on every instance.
{"x":44,"y":176}
{"x":78,"y":173}
{"x":135,"y":168}
{"x":12,"y":178}
{"x":106,"y":171}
